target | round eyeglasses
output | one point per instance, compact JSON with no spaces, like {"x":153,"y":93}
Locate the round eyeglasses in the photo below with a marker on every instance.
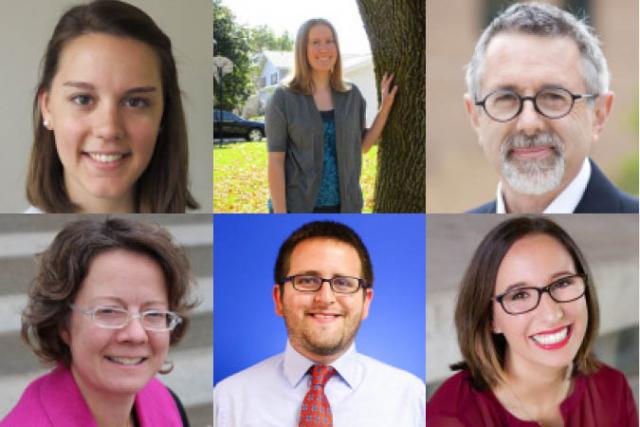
{"x":524,"y":299}
{"x":503,"y":105}
{"x":118,"y":318}
{"x":339,"y":284}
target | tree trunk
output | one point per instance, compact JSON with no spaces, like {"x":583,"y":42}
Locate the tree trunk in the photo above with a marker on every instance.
{"x":396,"y":31}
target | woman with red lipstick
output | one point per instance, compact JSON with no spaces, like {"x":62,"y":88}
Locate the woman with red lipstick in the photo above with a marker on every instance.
{"x":315,"y":129}
{"x":526,"y":319}
{"x":109,"y":128}
{"x":109,"y":299}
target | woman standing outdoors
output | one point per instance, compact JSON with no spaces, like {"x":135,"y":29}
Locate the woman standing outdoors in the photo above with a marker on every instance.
{"x":316,"y":129}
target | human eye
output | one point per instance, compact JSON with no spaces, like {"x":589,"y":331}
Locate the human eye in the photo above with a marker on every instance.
{"x":343,"y":283}
{"x":109,"y":312}
{"x":82,"y":100}
{"x":137,"y":102}
{"x":518,"y":294}
{"x":564,"y":282}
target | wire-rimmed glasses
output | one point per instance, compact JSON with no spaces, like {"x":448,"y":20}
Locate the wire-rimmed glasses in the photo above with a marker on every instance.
{"x":521,"y":300}
{"x":118,"y":318}
{"x":503,"y":105}
{"x":338,"y":284}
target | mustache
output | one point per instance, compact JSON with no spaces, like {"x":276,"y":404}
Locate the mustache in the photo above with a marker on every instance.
{"x":543,"y":139}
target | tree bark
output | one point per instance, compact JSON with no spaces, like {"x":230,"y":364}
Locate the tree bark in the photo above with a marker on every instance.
{"x":396,"y":31}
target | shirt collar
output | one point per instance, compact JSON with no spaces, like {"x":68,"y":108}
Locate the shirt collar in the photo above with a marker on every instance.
{"x":566,"y":201}
{"x":296,"y":366}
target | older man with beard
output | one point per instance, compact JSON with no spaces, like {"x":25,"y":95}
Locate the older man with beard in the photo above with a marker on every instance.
{"x":323,"y":289}
{"x":538,"y":98}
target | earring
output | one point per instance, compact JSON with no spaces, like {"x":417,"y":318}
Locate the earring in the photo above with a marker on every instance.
{"x":46,"y":123}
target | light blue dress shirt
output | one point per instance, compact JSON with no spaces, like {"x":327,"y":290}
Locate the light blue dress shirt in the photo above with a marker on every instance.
{"x":363,"y":392}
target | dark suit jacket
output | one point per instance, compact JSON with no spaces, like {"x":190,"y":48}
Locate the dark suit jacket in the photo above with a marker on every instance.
{"x":600,"y":196}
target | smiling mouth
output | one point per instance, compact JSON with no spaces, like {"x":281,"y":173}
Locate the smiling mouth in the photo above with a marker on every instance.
{"x":554,"y":339}
{"x":324,"y":317}
{"x":126,"y":361}
{"x":105,"y":157}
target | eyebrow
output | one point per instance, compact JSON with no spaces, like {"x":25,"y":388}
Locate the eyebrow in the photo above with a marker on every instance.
{"x":89,"y":86}
{"x":553,"y":277}
{"x":124,"y":303}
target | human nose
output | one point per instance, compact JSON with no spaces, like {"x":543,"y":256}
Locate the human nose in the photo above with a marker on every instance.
{"x":108,"y":122}
{"x":133,"y":331}
{"x":325,"y":293}
{"x":529,"y":121}
{"x":550,"y":309}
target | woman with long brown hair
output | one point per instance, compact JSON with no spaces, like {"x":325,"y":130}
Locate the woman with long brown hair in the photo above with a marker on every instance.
{"x":316,"y":131}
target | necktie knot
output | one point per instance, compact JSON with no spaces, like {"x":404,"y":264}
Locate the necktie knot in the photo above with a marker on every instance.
{"x":320,"y":374}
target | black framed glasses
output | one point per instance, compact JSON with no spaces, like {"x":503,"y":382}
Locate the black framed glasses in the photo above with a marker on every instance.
{"x":338,"y":284}
{"x":118,"y":318}
{"x":524,"y":299}
{"x":504,"y":105}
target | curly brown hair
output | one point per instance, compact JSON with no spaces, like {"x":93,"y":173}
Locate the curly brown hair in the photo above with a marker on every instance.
{"x":64,"y":265}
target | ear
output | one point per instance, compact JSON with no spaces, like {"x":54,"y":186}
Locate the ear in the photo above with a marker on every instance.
{"x":472,"y":111}
{"x":43,"y":103}
{"x":495,"y":329}
{"x":602,"y":109}
{"x":368,"y":296}
{"x":63,"y":331}
{"x":277,"y":299}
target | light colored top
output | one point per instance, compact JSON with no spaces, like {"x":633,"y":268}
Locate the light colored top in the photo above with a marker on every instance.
{"x":33,"y":210}
{"x":363,"y":392}
{"x":566,"y":201}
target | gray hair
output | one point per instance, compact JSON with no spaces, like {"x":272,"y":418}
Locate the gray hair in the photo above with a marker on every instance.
{"x":543,"y":20}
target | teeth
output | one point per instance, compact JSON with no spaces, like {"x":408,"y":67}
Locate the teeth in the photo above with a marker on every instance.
{"x":547,"y":339}
{"x":126,"y":360}
{"x":325,"y":316}
{"x":105,"y":158}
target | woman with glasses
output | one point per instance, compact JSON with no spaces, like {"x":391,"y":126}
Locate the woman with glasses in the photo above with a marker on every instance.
{"x":109,"y":299}
{"x":526,"y":319}
{"x":315,"y":129}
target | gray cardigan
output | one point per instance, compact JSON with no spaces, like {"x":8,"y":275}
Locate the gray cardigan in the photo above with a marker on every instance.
{"x":294,"y":126}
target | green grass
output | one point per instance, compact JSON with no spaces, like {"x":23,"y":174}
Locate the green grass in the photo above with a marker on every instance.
{"x":240,"y":178}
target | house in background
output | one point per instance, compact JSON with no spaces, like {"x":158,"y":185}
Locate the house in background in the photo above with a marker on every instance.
{"x":275,"y":66}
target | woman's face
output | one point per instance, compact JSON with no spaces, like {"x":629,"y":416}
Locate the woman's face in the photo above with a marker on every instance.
{"x":117,"y":361}
{"x":104,"y":107}
{"x":550,"y":335}
{"x":322,"y":52}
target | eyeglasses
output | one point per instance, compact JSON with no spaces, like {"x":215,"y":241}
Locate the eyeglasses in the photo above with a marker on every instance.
{"x":339,"y":284}
{"x":555,"y":102}
{"x":525,"y":299}
{"x":118,"y":318}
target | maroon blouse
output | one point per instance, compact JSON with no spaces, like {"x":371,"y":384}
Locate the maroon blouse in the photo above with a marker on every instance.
{"x":603,"y":399}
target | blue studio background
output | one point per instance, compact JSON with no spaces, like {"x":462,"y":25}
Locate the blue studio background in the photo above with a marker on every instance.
{"x":246,"y":328}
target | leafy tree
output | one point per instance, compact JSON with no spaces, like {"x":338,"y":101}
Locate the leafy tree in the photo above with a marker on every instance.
{"x":232,"y":41}
{"x":396,"y":32}
{"x":263,"y":38}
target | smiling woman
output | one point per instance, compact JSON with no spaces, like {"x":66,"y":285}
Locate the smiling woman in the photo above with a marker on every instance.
{"x":110,"y":133}
{"x":109,"y":299}
{"x":527,"y":317}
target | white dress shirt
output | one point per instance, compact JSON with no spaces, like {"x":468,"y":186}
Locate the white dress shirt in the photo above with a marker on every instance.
{"x":362,"y":392}
{"x":566,"y":201}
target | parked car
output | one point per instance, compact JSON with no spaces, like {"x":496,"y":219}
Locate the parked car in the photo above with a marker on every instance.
{"x":228,"y":125}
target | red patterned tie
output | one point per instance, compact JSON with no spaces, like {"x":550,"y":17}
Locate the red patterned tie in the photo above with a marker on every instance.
{"x":316,"y":411}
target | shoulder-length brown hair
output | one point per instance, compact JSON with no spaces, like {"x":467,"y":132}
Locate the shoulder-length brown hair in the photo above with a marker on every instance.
{"x":64,"y":265}
{"x":163,"y":186}
{"x":483,"y":351}
{"x":302,"y":80}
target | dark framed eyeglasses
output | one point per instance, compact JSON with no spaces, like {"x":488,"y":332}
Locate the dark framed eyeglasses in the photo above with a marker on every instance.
{"x":504,"y":105}
{"x":338,"y":284}
{"x":524,"y":299}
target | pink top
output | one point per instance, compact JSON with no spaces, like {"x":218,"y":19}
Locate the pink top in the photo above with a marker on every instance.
{"x":54,"y":400}
{"x":603,"y":399}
